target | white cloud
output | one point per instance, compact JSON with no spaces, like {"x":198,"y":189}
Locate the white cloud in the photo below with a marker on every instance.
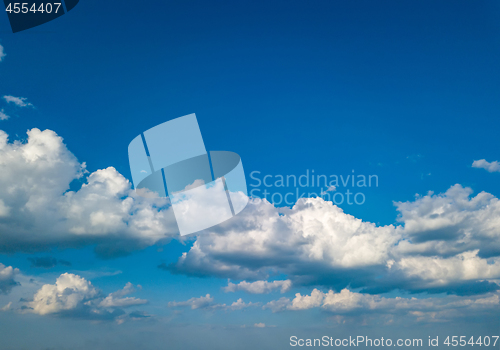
{"x":3,"y":116}
{"x":240,"y":304}
{"x":491,"y":167}
{"x":329,"y":189}
{"x":7,"y":274}
{"x":203,"y":302}
{"x":436,"y":271}
{"x":68,"y":293}
{"x":18,"y":101}
{"x":263,"y":237}
{"x":303,"y":302}
{"x":348,"y":302}
{"x":259,"y":287}
{"x":74,"y":296}
{"x":207,"y":303}
{"x":451,"y":223}
{"x":315,"y":243}
{"x":260,"y":325}
{"x":116,"y":299}
{"x":2,"y":53}
{"x":39,"y":211}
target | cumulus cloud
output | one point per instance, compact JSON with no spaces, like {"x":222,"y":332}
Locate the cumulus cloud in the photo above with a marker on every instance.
{"x":18,"y":101}
{"x":7,"y":274}
{"x":483,"y":164}
{"x":74,"y":296}
{"x":313,"y":235}
{"x":259,"y":287}
{"x":448,"y":242}
{"x":307,"y":301}
{"x":451,"y":223}
{"x":70,"y":292}
{"x":38,"y":210}
{"x":347,"y":302}
{"x":2,"y":53}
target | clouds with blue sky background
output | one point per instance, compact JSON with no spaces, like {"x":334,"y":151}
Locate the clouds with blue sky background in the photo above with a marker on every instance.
{"x":403,"y":94}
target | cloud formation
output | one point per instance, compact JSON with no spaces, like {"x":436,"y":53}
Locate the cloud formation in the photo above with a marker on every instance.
{"x":207,"y":303}
{"x":448,"y":242}
{"x":37,"y":209}
{"x":18,"y":101}
{"x":3,"y":116}
{"x":259,"y":287}
{"x":483,"y":164}
{"x":2,"y":53}
{"x":347,"y":302}
{"x":117,"y":299}
{"x":203,"y":302}
{"x":7,"y":274}
{"x":74,"y":296}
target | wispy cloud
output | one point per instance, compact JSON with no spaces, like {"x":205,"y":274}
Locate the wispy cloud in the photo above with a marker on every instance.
{"x":207,"y":303}
{"x":483,"y":164}
{"x":259,"y":287}
{"x":18,"y":101}
{"x":2,"y":53}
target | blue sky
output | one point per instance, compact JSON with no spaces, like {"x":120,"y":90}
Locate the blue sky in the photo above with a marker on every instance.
{"x":405,"y":91}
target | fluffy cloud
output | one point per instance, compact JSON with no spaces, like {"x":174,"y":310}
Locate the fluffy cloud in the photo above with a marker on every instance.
{"x":2,"y":53}
{"x":347,"y":302}
{"x":38,"y":210}
{"x":74,"y":296}
{"x":447,"y":243}
{"x":314,"y":235}
{"x":7,"y":274}
{"x":240,"y":304}
{"x":451,"y":223}
{"x":436,"y":271}
{"x":18,"y":101}
{"x":70,"y":292}
{"x":259,"y":287}
{"x":491,"y":167}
